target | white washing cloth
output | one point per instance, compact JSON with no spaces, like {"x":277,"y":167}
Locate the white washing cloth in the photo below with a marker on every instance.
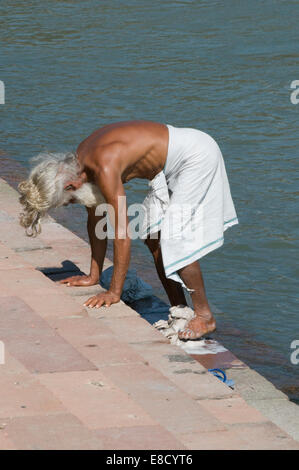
{"x":177,"y":320}
{"x":189,"y":201}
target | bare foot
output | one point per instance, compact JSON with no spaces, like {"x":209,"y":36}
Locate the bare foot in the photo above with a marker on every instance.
{"x":197,"y":327}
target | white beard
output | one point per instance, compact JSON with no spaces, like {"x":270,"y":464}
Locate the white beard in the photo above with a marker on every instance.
{"x":89,"y":195}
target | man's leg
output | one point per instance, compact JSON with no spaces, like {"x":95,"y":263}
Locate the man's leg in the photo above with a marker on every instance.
{"x":204,"y":321}
{"x":173,"y":289}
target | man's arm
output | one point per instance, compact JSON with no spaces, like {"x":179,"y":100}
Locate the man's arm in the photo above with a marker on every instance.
{"x":98,"y":246}
{"x":98,"y":251}
{"x":109,"y":180}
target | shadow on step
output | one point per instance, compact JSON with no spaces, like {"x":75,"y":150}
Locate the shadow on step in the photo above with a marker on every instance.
{"x":151,"y":308}
{"x":67,"y":269}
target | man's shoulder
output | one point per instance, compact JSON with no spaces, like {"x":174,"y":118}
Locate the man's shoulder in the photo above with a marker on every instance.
{"x":103,"y":156}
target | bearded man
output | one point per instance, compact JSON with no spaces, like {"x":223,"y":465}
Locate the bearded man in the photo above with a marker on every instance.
{"x":185,"y":169}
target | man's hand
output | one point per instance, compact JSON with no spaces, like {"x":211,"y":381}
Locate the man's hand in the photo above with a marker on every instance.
{"x":104,"y":299}
{"x":82,"y":280}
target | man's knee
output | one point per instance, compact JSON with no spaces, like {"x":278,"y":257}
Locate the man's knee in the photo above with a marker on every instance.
{"x":153,"y":245}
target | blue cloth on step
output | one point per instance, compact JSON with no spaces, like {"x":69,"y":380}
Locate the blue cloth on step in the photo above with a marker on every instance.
{"x":134,"y":287}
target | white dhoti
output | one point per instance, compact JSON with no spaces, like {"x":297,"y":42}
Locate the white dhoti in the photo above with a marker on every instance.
{"x":190,"y":201}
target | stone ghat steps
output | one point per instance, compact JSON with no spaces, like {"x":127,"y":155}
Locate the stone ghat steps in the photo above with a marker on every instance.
{"x":78,"y":378}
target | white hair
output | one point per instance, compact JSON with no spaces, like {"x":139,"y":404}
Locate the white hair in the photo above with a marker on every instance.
{"x":45,"y":189}
{"x":89,"y":195}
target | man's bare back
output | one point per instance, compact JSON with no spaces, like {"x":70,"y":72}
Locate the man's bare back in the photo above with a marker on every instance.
{"x":110,"y":157}
{"x":134,"y":149}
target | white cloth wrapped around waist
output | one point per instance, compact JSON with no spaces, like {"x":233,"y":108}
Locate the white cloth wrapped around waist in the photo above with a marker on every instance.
{"x":189,"y":201}
{"x":155,"y":204}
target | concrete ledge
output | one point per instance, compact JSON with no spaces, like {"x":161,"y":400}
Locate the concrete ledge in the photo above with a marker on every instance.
{"x":282,"y":412}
